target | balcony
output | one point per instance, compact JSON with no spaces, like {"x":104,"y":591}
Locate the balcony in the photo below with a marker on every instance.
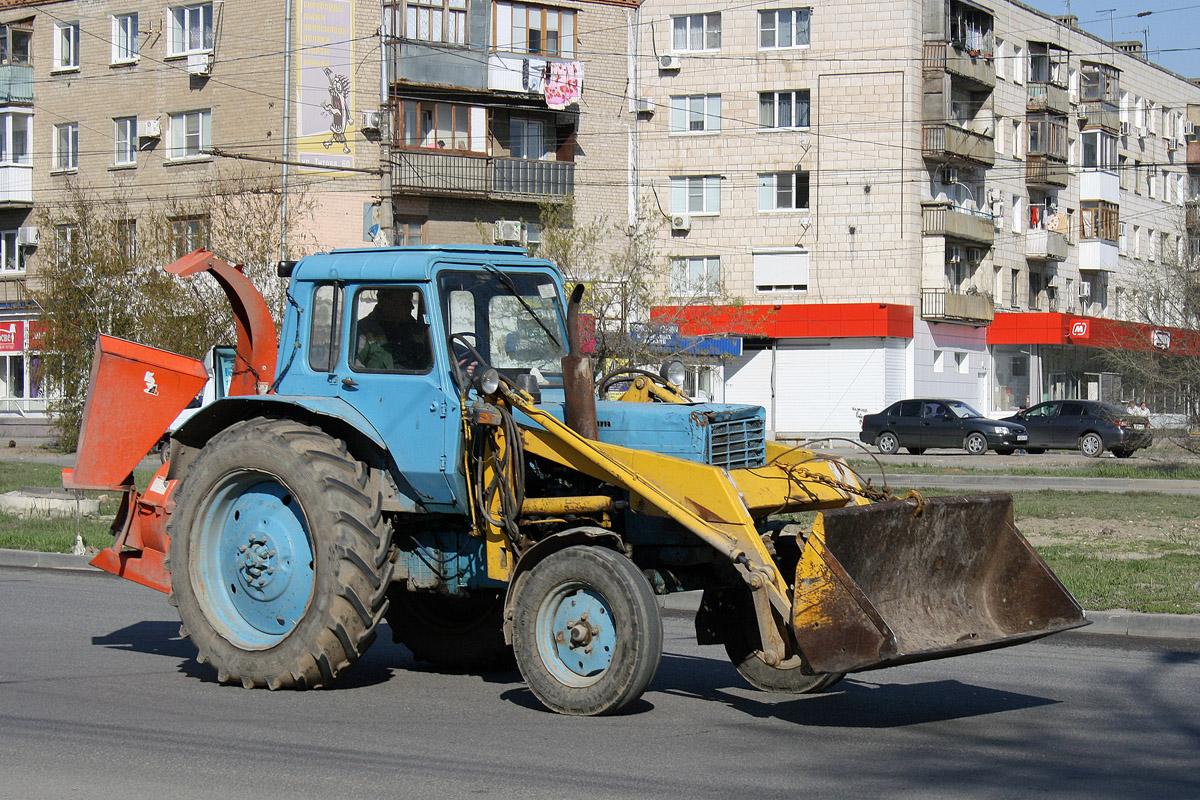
{"x":941,"y":142}
{"x":939,"y":305}
{"x":979,"y":68}
{"x":1043,"y":171}
{"x":1099,"y":114}
{"x":956,"y":222}
{"x":1192,"y":217}
{"x":12,"y":291}
{"x":1099,"y":184}
{"x":454,"y":174}
{"x":16,"y":84}
{"x":1047,"y":97}
{"x":1193,"y":154}
{"x":1098,"y":255}
{"x":1044,"y":245}
{"x":16,"y":185}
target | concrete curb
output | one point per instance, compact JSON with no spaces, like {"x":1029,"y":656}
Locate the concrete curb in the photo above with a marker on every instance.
{"x":1104,"y":623}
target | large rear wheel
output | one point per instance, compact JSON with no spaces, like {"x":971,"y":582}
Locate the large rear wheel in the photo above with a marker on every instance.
{"x":455,"y":632}
{"x":734,"y":617}
{"x":279,"y":555}
{"x":587,"y":631}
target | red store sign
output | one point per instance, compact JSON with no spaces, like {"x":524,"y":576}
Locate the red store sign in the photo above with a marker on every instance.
{"x":12,"y":337}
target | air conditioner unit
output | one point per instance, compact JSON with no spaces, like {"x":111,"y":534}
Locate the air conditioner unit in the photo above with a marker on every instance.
{"x":149,"y":129}
{"x":1143,"y":133}
{"x":1085,"y":288}
{"x":1124,"y":127}
{"x":28,"y":236}
{"x":643,"y":105}
{"x":681,"y":222}
{"x":370,"y":120}
{"x":199,"y":63}
{"x":1172,"y":145}
{"x":508,"y":230}
{"x":950,"y":176}
{"x":669,"y":62}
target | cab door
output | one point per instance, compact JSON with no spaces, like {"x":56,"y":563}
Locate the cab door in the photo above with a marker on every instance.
{"x":404,"y":396}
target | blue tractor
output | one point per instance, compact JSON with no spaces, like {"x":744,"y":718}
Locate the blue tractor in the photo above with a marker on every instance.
{"x":425,"y":446}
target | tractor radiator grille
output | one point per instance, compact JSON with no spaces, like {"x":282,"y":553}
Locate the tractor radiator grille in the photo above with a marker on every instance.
{"x":737,"y":443}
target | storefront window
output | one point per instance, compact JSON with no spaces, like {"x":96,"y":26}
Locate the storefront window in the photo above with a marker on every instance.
{"x":1010,"y":390}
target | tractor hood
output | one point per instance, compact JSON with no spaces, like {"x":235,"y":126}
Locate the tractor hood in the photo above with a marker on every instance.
{"x":729,"y":436}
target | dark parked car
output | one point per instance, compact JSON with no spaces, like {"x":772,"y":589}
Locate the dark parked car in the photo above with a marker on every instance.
{"x":920,"y":424}
{"x":1089,"y":426}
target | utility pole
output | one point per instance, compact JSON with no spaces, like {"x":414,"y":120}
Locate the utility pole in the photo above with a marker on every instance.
{"x":386,"y":215}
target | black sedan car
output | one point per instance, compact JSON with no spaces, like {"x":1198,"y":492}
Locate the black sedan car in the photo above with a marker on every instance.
{"x":921,"y":424}
{"x":1089,"y":426}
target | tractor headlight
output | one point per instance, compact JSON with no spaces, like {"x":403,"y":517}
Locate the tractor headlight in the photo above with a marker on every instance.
{"x":488,"y":382}
{"x":673,"y":371}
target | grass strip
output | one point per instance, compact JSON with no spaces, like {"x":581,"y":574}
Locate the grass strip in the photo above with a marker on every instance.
{"x":1171,"y":470}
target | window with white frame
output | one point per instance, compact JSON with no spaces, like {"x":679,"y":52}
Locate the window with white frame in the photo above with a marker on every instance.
{"x":191,"y":134}
{"x":12,"y":255}
{"x":696,"y":32}
{"x":1099,"y":151}
{"x":443,"y":126}
{"x":531,"y":138}
{"x":781,"y":271}
{"x":66,"y":146}
{"x":191,"y":29}
{"x":695,"y":275}
{"x":66,"y":45}
{"x":434,"y":20}
{"x":784,"y":27}
{"x":1122,"y":239}
{"x":782,"y":191}
{"x":124,"y":38}
{"x":783,"y":109}
{"x":963,"y":362}
{"x":696,"y":113}
{"x":14,"y":137}
{"x":521,"y":28}
{"x":696,"y":194}
{"x":125,"y":141}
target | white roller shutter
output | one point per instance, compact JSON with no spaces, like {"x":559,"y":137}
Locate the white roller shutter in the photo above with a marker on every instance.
{"x":748,"y":380}
{"x":819,"y":385}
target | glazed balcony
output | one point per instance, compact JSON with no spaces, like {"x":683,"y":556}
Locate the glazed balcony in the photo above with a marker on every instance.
{"x":957,"y":222}
{"x":939,"y":305}
{"x":460,"y":175}
{"x":941,"y":142}
{"x":1043,"y":171}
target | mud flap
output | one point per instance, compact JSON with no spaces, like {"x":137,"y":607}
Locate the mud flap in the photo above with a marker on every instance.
{"x":893,"y":583}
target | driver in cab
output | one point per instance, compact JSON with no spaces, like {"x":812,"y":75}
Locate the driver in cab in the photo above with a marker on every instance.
{"x":394,"y":337}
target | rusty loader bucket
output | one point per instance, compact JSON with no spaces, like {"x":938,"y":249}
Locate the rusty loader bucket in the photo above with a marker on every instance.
{"x":898,"y":582}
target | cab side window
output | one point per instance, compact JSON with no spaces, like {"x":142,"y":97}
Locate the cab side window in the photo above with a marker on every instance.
{"x":325,"y":331}
{"x":391,"y":331}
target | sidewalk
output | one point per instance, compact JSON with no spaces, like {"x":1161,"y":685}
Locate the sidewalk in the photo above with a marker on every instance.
{"x":1104,"y":623}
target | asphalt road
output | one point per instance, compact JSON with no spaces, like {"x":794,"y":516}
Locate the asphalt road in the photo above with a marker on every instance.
{"x":100,"y":699}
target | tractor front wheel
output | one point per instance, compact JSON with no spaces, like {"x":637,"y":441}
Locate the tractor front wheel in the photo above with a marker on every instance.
{"x":587,"y":631}
{"x":279,"y":555}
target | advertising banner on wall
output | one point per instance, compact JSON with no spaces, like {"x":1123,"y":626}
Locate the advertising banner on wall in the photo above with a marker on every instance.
{"x":12,"y":336}
{"x":324,"y":85}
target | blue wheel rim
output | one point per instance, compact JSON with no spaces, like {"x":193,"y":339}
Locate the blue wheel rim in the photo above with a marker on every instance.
{"x":575,"y":634}
{"x":252,"y":560}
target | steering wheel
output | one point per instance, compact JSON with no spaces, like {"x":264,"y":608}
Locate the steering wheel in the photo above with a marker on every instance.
{"x":618,"y":375}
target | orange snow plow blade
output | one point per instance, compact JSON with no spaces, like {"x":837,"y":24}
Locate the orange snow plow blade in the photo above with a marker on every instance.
{"x":893,"y":583}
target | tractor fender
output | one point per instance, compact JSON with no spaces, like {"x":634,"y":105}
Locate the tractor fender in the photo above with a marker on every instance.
{"x":331,"y":414}
{"x":596,"y":537}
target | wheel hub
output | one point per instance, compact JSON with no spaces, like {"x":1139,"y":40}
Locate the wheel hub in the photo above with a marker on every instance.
{"x":583,"y":633}
{"x":258,"y":565}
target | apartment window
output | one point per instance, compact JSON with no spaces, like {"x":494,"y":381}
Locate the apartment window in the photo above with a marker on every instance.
{"x":939,"y":360}
{"x":1152,"y":183}
{"x":66,"y":146}
{"x":187,"y":234}
{"x":1018,"y":64}
{"x":1101,"y":82}
{"x":125,"y":136}
{"x":697,"y":113}
{"x":12,"y":257}
{"x":781,"y":272}
{"x":696,"y":194}
{"x":14,"y":137}
{"x":696,"y":32}
{"x":443,"y":126}
{"x":785,"y":27}
{"x":1123,"y":172}
{"x":14,"y":45}
{"x":1122,"y":239}
{"x":1047,"y":64}
{"x":191,"y":134}
{"x":446,"y":21}
{"x":695,"y":275}
{"x":124,"y":38}
{"x":1099,"y":151}
{"x":191,"y":29}
{"x":1137,"y":242}
{"x":1048,"y":136}
{"x":1137,"y":177}
{"x":529,"y":138}
{"x":409,"y":231}
{"x":1014,"y":277}
{"x":66,"y":45}
{"x":521,"y":28}
{"x":783,"y":109}
{"x":1018,"y":131}
{"x":1151,"y":245}
{"x":1098,"y":220}
{"x":127,"y":238}
{"x":971,"y":28}
{"x":783,"y":191}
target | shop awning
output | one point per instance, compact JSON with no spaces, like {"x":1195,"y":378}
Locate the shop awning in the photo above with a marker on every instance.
{"x":799,"y":321}
{"x":1073,"y":329}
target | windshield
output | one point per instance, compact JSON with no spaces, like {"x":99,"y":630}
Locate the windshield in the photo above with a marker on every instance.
{"x":962,"y":410}
{"x":513,"y":320}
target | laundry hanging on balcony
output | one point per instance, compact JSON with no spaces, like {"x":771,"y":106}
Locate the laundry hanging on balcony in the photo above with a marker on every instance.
{"x":564,"y":84}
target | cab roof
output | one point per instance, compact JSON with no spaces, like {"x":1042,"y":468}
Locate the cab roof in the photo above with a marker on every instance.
{"x":410,"y":263}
